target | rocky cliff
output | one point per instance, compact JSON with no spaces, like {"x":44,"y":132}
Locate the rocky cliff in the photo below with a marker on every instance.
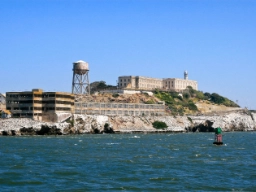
{"x":23,"y":126}
{"x":229,"y":121}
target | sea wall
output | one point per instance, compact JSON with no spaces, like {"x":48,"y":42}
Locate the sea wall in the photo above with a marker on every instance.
{"x":83,"y":124}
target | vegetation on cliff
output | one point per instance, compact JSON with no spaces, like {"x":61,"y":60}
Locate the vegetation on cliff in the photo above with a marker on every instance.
{"x":100,"y":85}
{"x":190,"y":101}
{"x":178,"y":103}
{"x":159,"y":125}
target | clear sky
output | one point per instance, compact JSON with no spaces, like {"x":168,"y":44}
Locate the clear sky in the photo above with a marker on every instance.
{"x":214,"y":40}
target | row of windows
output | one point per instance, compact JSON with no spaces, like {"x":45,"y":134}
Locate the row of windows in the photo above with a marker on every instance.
{"x":124,"y":80}
{"x":22,"y":102}
{"x":44,"y":95}
{"x":149,"y":86}
{"x":102,"y":105}
{"x":38,"y":108}
{"x":113,"y":112}
{"x":19,"y":95}
{"x":22,"y":115}
{"x":151,"y":82}
{"x":63,"y":109}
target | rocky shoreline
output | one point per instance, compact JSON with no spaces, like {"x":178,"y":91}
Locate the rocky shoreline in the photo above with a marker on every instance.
{"x":86,"y":124}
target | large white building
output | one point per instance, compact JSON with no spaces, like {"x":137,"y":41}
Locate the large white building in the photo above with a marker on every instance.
{"x":139,"y":82}
{"x":148,"y":83}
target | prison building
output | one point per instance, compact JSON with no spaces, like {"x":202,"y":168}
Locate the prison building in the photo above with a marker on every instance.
{"x":39,"y":105}
{"x":113,"y":109}
{"x":148,"y":83}
{"x":139,"y":82}
{"x":175,"y":84}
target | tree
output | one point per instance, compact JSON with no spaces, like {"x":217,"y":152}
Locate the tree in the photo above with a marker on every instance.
{"x":207,"y":95}
{"x":186,"y":95}
{"x":216,"y":98}
{"x":191,"y":90}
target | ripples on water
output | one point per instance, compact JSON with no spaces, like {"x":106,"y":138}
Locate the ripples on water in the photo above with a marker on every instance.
{"x":147,"y":162}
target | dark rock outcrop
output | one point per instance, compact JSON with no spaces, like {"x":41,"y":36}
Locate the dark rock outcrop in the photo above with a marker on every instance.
{"x":49,"y":130}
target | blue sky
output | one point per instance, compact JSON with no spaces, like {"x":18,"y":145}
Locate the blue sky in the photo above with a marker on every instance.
{"x":215,"y":40}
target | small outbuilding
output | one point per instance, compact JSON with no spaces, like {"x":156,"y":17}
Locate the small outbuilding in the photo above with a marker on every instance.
{"x":5,"y":113}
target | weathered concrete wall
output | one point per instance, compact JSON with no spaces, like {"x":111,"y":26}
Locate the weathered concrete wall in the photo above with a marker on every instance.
{"x":55,"y":117}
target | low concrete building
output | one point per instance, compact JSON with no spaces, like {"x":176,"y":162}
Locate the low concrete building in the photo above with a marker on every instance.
{"x":5,"y":113}
{"x":120,"y":109}
{"x":39,"y":105}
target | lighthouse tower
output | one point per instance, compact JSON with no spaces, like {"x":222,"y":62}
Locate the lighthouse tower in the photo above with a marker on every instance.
{"x":186,"y":75}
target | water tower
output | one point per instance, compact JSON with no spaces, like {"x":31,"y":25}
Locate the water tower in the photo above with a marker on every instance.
{"x":80,"y":83}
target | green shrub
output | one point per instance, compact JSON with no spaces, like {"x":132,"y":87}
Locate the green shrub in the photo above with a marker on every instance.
{"x":150,"y":102}
{"x":189,"y":118}
{"x":216,"y":98}
{"x":159,"y":125}
{"x":115,"y":95}
{"x":207,"y":95}
{"x":186,"y":95}
{"x":71,"y":121}
{"x":191,"y":90}
{"x":191,"y":106}
{"x":200,"y":95}
{"x":146,"y":94}
{"x":106,"y":126}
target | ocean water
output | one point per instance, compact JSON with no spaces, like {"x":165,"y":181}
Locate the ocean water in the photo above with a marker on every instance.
{"x":129,"y":162}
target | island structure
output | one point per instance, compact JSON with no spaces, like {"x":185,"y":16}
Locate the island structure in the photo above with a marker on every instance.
{"x":57,"y":106}
{"x":149,"y":84}
{"x":39,"y":105}
{"x":135,"y":104}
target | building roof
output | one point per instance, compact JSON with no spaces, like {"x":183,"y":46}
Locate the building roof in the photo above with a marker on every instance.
{"x":6,"y":111}
{"x":40,"y":91}
{"x":80,"y":61}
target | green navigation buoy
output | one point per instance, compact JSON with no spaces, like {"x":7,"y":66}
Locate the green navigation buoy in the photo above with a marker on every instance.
{"x":218,"y":136}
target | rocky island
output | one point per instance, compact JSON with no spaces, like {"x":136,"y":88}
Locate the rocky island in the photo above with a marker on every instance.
{"x":193,"y":111}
